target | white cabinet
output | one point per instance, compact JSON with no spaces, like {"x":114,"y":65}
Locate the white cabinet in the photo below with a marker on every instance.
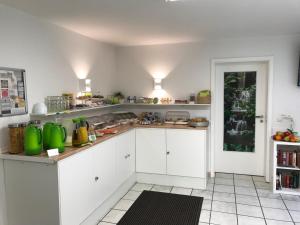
{"x":104,"y":167}
{"x":75,"y":180}
{"x":125,"y":156}
{"x":186,"y":152}
{"x":151,"y":150}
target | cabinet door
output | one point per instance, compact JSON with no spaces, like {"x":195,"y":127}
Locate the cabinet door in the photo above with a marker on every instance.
{"x":151,"y":151}
{"x":186,"y":153}
{"x":103,"y":171}
{"x":125,"y":156}
{"x":75,"y":188}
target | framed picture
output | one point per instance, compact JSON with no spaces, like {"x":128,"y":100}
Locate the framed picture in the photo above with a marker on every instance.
{"x":13,"y":99}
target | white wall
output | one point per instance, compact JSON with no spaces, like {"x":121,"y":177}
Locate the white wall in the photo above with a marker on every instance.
{"x":187,"y":67}
{"x":53,"y":58}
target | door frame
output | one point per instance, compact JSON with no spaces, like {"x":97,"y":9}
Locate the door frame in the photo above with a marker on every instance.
{"x":270,"y":73}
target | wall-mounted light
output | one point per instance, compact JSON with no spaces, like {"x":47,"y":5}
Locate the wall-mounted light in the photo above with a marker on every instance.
{"x":85,"y":85}
{"x":157,"y":84}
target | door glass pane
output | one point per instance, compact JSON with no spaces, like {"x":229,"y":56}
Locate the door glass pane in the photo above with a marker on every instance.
{"x":239,"y":111}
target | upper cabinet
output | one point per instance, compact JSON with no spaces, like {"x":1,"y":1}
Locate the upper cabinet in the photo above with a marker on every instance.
{"x":186,"y":153}
{"x":151,"y":150}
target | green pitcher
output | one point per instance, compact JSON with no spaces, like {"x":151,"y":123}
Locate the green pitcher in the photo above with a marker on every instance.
{"x":33,"y":140}
{"x":58,"y":137}
{"x":46,"y":134}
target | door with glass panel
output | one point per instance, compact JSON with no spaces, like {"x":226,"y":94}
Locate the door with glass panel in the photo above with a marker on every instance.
{"x":240,"y":123}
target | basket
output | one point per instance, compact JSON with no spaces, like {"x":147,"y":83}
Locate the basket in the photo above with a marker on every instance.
{"x":203,"y":100}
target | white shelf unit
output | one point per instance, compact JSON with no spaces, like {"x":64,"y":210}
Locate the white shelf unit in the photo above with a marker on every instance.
{"x":165,"y":105}
{"x":285,"y":146}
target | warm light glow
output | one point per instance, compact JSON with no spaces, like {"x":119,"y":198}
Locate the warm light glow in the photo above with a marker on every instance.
{"x":81,"y":70}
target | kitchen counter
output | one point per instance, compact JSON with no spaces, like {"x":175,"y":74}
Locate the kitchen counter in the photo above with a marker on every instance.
{"x":69,"y":151}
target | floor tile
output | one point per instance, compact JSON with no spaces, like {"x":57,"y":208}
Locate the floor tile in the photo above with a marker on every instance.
{"x":132,"y":195}
{"x":224,"y":175}
{"x":224,"y":181}
{"x":272,"y":203}
{"x":245,"y":191}
{"x":226,"y":207}
{"x":263,"y":185}
{"x":202,"y":193}
{"x":124,"y":204}
{"x":296,"y":216}
{"x":223,"y":197}
{"x":291,"y":197}
{"x":209,"y":187}
{"x":205,"y":216}
{"x":292,"y":205}
{"x":200,"y":223}
{"x":244,"y":183}
{"x":267,"y":194}
{"x":114,"y":216}
{"x":249,"y":210}
{"x":277,"y":222}
{"x":181,"y":191}
{"x":103,"y":223}
{"x":223,"y":218}
{"x":258,"y":178}
{"x":276,"y":214}
{"x":247,"y":200}
{"x":161,"y":188}
{"x":246,"y":220}
{"x":224,"y":188}
{"x":242,"y":177}
{"x":142,"y":187}
{"x":206,"y":204}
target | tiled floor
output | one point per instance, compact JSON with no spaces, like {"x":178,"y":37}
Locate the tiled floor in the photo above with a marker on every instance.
{"x":229,"y":199}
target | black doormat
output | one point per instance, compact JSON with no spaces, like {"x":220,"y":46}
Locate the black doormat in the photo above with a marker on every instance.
{"x":156,"y":208}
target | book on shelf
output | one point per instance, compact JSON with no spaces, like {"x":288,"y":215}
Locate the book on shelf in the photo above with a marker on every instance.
{"x":288,"y":159}
{"x":287,"y":180}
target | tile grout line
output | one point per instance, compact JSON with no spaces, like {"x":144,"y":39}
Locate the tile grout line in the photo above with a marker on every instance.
{"x":287,"y":209}
{"x":261,"y":208}
{"x":237,"y":217}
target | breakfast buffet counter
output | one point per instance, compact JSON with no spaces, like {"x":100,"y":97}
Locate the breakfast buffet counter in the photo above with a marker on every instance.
{"x":69,"y":151}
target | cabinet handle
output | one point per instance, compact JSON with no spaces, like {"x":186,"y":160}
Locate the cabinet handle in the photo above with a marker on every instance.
{"x":129,"y":155}
{"x":96,"y":179}
{"x":126,"y":156}
{"x":168,"y":153}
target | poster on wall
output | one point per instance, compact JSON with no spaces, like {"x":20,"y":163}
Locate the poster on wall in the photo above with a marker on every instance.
{"x":239,"y":111}
{"x":12,"y":92}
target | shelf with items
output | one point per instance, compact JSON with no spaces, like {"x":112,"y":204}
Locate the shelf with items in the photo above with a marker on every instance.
{"x":286,"y":168}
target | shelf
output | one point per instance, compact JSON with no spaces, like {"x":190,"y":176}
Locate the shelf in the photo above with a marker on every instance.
{"x":75,"y":111}
{"x":287,"y":143}
{"x":165,"y":105}
{"x":288,"y":168}
{"x":288,"y":191}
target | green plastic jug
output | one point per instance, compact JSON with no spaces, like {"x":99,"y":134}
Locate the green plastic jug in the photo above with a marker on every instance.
{"x":33,"y":140}
{"x":46,"y":134}
{"x":58,"y":135}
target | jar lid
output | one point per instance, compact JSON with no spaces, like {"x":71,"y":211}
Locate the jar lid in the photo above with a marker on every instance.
{"x":35,"y":122}
{"x":14,"y":125}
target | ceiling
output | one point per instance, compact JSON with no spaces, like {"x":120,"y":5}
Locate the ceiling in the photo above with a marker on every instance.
{"x":146,"y":22}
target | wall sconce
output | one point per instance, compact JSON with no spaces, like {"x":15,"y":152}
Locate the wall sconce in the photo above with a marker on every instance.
{"x":157,"y":84}
{"x":85,"y":85}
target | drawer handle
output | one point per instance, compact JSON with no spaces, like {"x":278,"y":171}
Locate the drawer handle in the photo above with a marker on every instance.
{"x":168,"y":153}
{"x":96,"y":179}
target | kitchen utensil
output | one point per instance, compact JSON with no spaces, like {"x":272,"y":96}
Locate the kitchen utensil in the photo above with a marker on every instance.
{"x":199,"y":124}
{"x":16,"y":136}
{"x":39,"y":109}
{"x":80,"y":132}
{"x":33,"y":140}
{"x":57,"y":138}
{"x":69,"y":125}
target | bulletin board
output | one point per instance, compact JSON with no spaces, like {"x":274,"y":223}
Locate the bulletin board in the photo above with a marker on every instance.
{"x":13,"y":100}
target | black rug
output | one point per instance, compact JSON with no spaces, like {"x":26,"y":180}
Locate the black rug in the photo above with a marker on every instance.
{"x":156,"y":208}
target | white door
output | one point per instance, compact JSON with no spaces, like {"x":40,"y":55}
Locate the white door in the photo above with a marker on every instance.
{"x":103,"y":161}
{"x":186,"y":153}
{"x":241,"y":94}
{"x":151,"y":151}
{"x":125,"y":156}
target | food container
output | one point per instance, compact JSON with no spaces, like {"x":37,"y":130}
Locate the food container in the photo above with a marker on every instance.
{"x":16,"y":136}
{"x":203,"y":100}
{"x":199,"y":124}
